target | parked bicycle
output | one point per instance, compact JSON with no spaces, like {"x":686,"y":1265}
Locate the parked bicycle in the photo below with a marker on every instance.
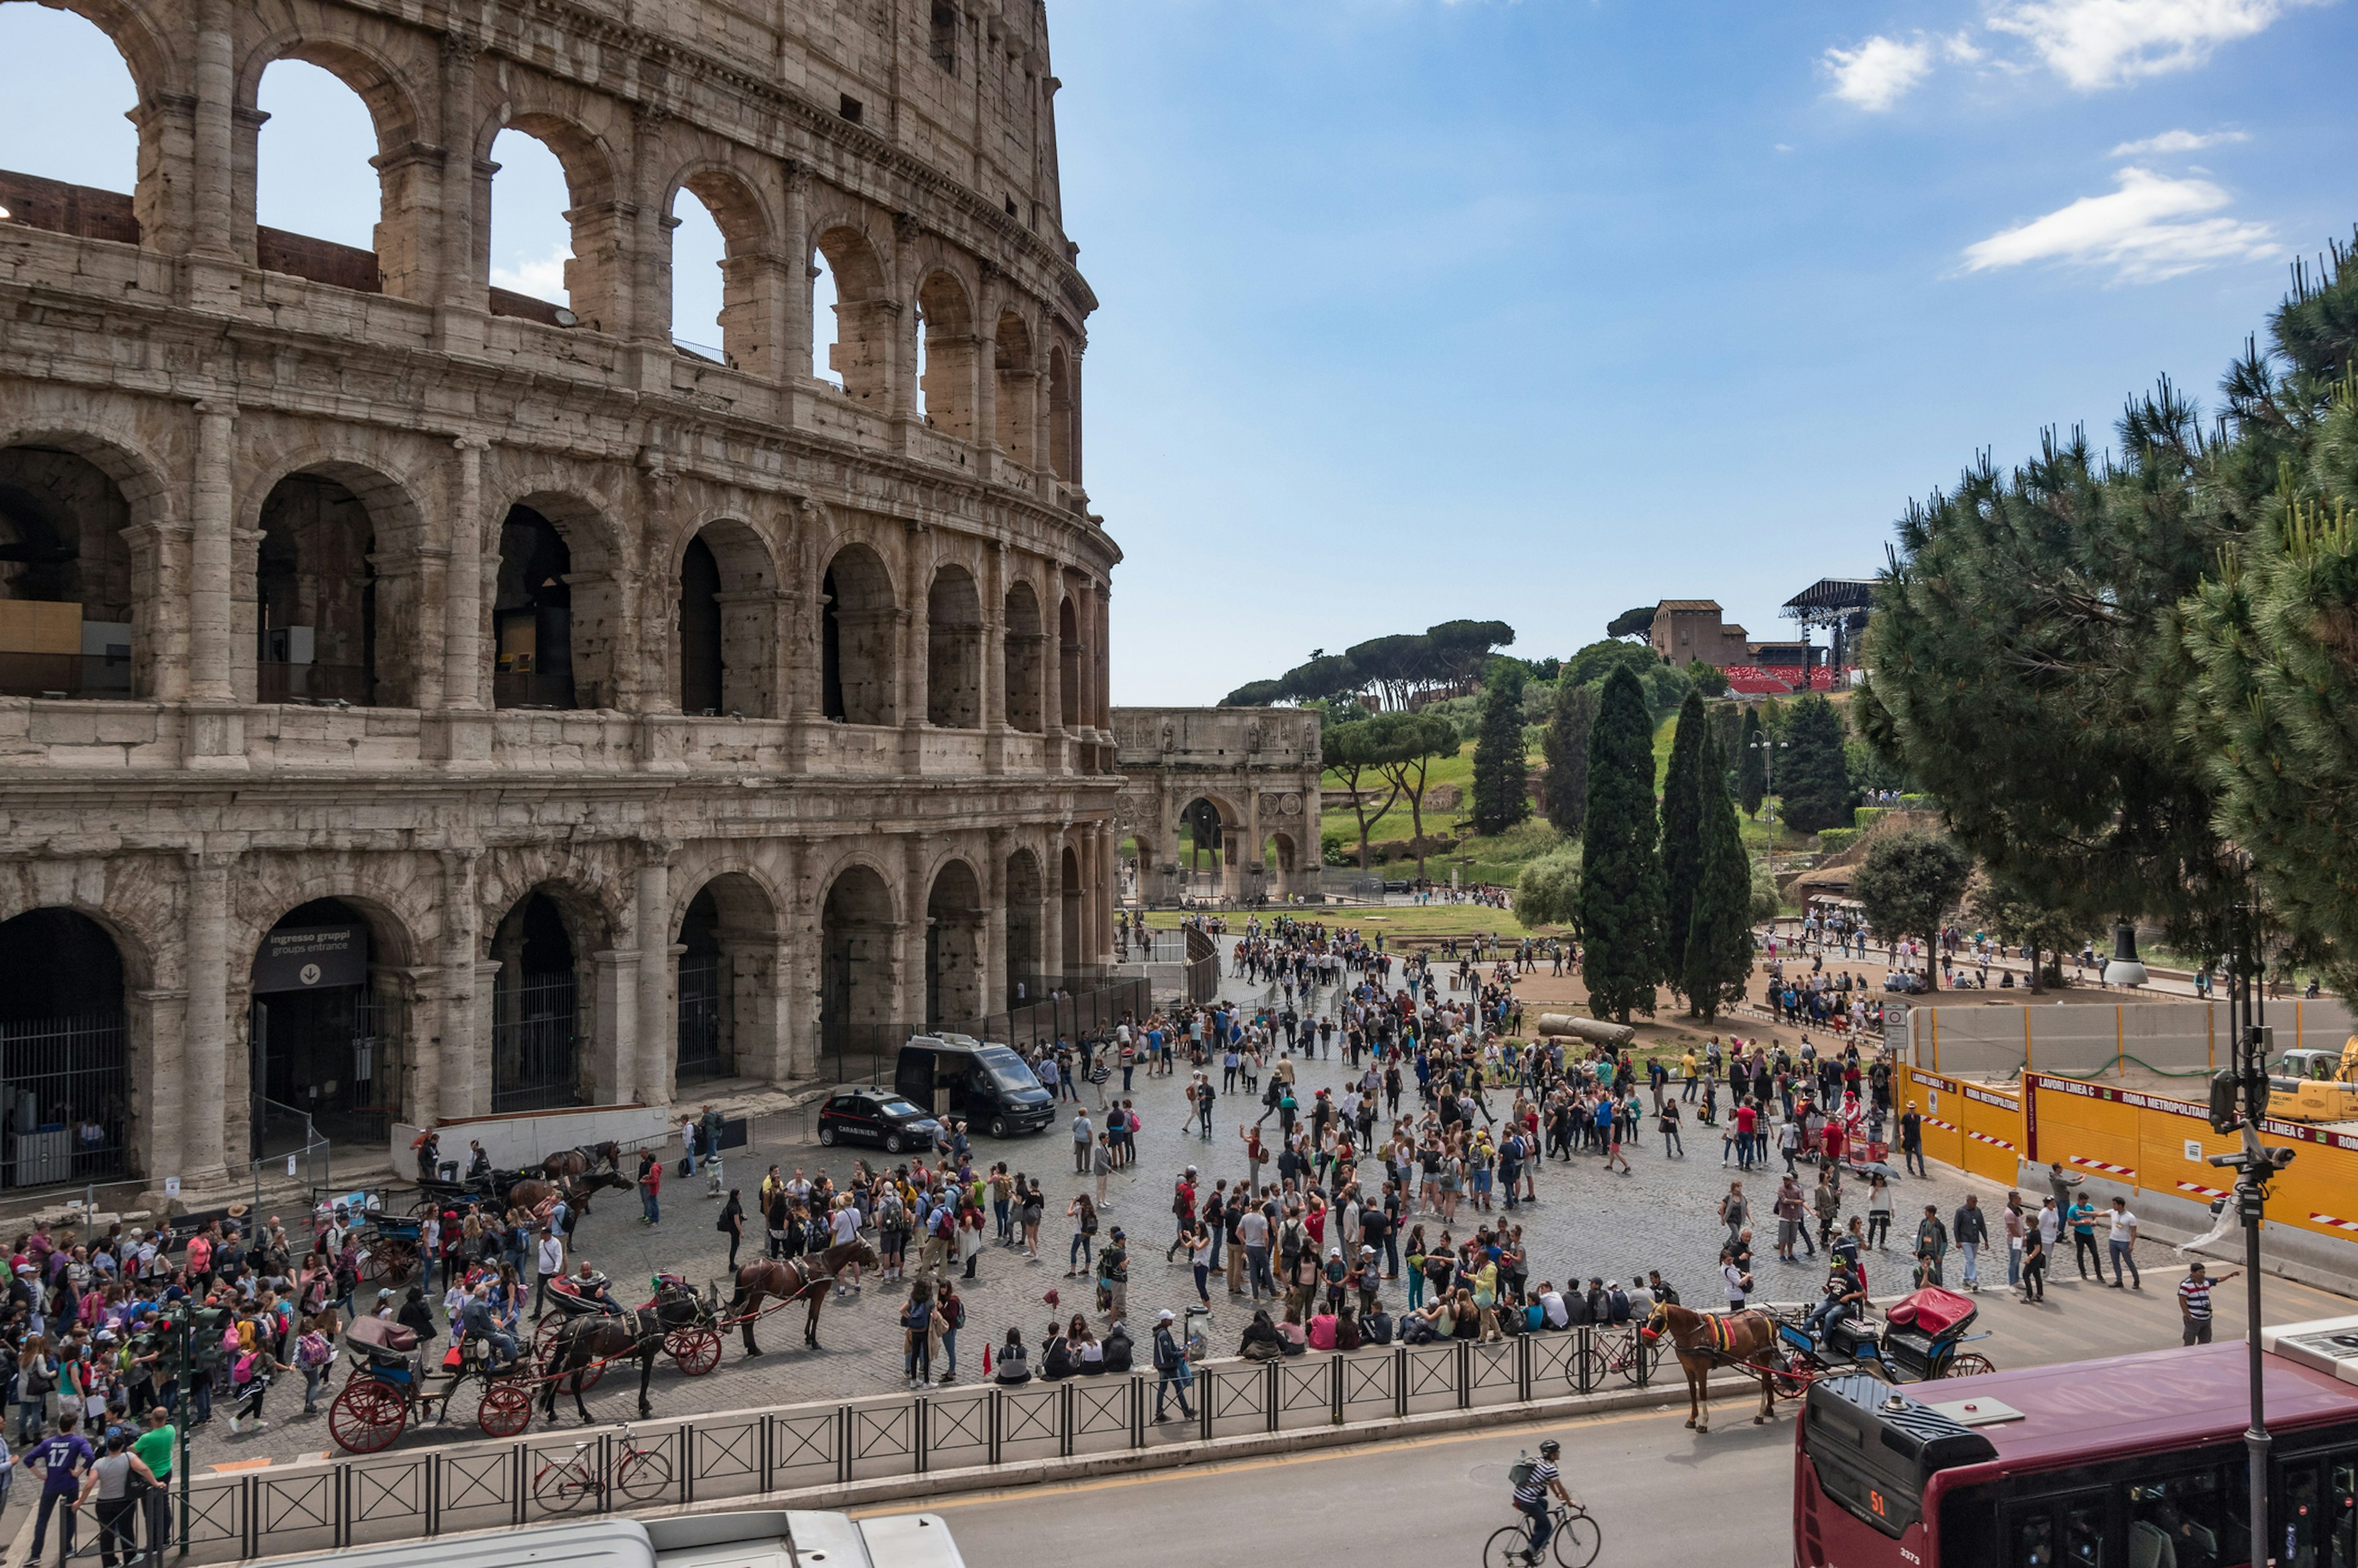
{"x":642,"y":1474}
{"x":1629,"y":1354}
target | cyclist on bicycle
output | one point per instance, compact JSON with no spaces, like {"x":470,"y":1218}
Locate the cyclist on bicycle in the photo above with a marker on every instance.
{"x":1531,"y":1498}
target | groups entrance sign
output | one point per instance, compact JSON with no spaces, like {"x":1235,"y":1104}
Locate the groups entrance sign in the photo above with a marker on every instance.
{"x":313,"y":957}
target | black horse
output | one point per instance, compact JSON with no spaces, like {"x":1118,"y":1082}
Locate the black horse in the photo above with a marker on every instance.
{"x":638,"y":1334}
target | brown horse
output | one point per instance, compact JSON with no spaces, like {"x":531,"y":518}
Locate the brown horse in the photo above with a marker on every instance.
{"x":1706,"y":1340}
{"x":582,"y":1160}
{"x":806,"y":1278}
{"x":611,"y":1336}
{"x":532,"y":1196}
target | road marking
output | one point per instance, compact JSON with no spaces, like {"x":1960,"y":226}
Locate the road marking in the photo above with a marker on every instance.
{"x":1231,"y":1466}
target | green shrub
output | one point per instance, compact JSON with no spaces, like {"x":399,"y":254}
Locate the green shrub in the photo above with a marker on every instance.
{"x":1835,"y":840}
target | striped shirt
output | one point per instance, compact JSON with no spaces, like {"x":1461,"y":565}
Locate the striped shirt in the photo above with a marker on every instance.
{"x":1535,"y":1490}
{"x":2194,"y":1296}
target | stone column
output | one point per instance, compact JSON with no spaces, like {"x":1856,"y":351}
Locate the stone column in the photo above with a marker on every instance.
{"x":462,"y":615}
{"x":459,"y":289}
{"x":215,"y":277}
{"x":993,"y":681}
{"x":202,"y":1074}
{"x":993,"y":960}
{"x":613,"y":1049}
{"x":658,"y":1024}
{"x":909,"y":942}
{"x":460,"y":1087}
{"x":481,"y":1065}
{"x":210,"y":544}
{"x":793,"y":359}
{"x":986,"y":382}
{"x":798,"y":970}
{"x":1057,"y":754}
{"x":916,"y":654}
{"x":1052,"y":915}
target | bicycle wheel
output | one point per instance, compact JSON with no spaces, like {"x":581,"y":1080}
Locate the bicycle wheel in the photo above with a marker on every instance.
{"x":1585,"y":1370}
{"x":1643,"y":1361}
{"x":563,"y":1485}
{"x":1577,"y":1541}
{"x":1508,"y":1547}
{"x":644,"y":1475}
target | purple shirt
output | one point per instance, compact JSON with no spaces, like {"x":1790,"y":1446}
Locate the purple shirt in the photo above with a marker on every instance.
{"x":66,"y":1455}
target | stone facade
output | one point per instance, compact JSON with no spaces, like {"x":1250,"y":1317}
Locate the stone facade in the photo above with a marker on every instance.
{"x":603,"y":694}
{"x":1256,"y":768}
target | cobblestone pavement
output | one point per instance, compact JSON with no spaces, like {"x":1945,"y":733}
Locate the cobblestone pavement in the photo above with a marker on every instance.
{"x":1586,"y":1221}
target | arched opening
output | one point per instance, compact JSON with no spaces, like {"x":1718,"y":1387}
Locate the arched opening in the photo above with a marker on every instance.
{"x":66,"y":593}
{"x":954,"y":651}
{"x":859,"y":628}
{"x":1073,"y":935}
{"x":532,"y":614}
{"x":1023,"y":912}
{"x":65,"y":1078}
{"x":827,"y":328}
{"x":67,"y":123}
{"x":556,"y":239}
{"x":541,"y":1010}
{"x":1068,"y":664}
{"x":323,"y":1029}
{"x":855,"y":973}
{"x":1017,"y":390}
{"x":723,"y":273}
{"x":730,"y":934}
{"x":860,"y":355}
{"x":697,"y":251}
{"x":1024,"y":657}
{"x":954,"y":916}
{"x":946,"y":356}
{"x":1200,"y":833}
{"x":727,"y":623}
{"x":322,"y":210}
{"x":315,"y":596}
{"x":1061,"y":414}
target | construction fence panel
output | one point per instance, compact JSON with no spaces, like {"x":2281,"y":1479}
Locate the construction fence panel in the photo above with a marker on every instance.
{"x":2092,"y":1134}
{"x":1939,"y":1102}
{"x":1992,"y":1129}
{"x":2088,"y":1039}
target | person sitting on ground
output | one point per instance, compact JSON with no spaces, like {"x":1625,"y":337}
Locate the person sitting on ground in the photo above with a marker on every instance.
{"x":1089,"y":1354}
{"x":1056,"y":1359}
{"x":1297,"y":1339}
{"x":1015,"y":1361}
{"x":1261,"y":1341}
{"x":1321,"y":1332}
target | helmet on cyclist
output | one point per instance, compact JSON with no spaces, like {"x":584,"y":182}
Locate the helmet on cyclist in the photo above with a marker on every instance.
{"x":1550,"y":1448}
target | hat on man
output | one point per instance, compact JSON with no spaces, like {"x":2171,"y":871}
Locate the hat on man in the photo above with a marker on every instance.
{"x":1163,"y":1316}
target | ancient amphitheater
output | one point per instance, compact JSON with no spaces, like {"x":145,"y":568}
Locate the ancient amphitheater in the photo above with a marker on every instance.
{"x":425,"y":700}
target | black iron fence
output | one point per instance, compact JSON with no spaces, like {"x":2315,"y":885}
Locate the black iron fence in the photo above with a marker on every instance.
{"x":536,"y":1041}
{"x":332,"y":1505}
{"x":1057,"y":1008}
{"x":68,"y":1100}
{"x":353,"y":686}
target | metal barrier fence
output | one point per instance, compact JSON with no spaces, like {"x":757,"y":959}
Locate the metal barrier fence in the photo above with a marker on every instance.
{"x":1066,"y":1010}
{"x":336,"y":1504}
{"x":1202,"y":967}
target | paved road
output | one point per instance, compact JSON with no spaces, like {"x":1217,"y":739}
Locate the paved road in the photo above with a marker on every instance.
{"x":1587,"y":1222}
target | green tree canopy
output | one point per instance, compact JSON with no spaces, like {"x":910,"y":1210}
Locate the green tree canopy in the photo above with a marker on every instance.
{"x":1402,"y":746}
{"x":1812,"y":779}
{"x":1565,"y":746}
{"x":1347,"y":753}
{"x":2022,"y":922}
{"x":1548,"y":891}
{"x":1621,"y":877}
{"x":1682,"y":798}
{"x":1909,"y":883}
{"x":1500,"y":773}
{"x":1717,"y":957}
{"x":1751,"y":773}
{"x":1636,"y":622}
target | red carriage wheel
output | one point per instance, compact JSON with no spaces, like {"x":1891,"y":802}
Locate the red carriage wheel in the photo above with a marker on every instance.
{"x":1969,"y":1365}
{"x":698,"y":1350}
{"x":544,"y":1336}
{"x":367,"y":1416}
{"x":506,"y":1409}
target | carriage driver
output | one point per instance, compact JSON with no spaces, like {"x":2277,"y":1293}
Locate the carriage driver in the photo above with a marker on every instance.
{"x":477,"y":1321}
{"x":590,"y":1286}
{"x":1846,"y":1297}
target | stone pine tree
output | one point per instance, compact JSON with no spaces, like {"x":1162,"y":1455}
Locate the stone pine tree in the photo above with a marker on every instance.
{"x":1812,"y":775}
{"x":1501,"y":774}
{"x":1909,"y":883}
{"x":1718,"y":950}
{"x":1565,"y":745}
{"x":1682,"y":793}
{"x":1751,"y":771}
{"x":1621,"y":876}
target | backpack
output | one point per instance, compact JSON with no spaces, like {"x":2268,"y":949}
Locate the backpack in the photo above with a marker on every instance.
{"x":1520,"y":1473}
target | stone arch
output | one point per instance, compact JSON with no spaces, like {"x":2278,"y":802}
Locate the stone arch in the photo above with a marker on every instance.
{"x":328,"y":602}
{"x":1070,"y":663}
{"x":1064,"y":418}
{"x":1026,"y":658}
{"x":858,"y":969}
{"x":727,"y":632}
{"x":954,"y":650}
{"x":395,"y":261}
{"x":145,"y":212}
{"x":858,"y":638}
{"x":544,"y":999}
{"x":726,"y":979}
{"x":955,"y":918}
{"x":66,"y":545}
{"x":1069,"y":859}
{"x":67,"y":1051}
{"x":866,"y":314}
{"x":1023,"y":956}
{"x":594,"y":273}
{"x":753,"y":317}
{"x":557,"y":609}
{"x":323,"y":972}
{"x":946,"y":350}
{"x":1017,"y":399}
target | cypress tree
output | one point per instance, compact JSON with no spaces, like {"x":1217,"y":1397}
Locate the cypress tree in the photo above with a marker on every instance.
{"x":1812,"y":774}
{"x":1621,"y":879}
{"x":1566,"y":748}
{"x":1501,"y":774}
{"x":1682,"y":794}
{"x":1751,"y":773}
{"x":1718,"y":956}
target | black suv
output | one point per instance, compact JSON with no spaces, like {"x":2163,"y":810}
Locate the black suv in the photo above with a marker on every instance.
{"x":876,"y":1115}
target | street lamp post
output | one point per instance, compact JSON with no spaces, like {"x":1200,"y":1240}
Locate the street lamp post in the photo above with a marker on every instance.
{"x":1769,"y":750}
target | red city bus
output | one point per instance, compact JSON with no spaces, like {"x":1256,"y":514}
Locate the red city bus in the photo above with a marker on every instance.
{"x":2131,"y":1462}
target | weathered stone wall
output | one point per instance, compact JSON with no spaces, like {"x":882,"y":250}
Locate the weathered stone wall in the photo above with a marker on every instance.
{"x":1257,"y":767}
{"x":345,"y":448}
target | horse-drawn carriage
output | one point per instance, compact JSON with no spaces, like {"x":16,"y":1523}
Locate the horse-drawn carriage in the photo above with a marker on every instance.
{"x":695,"y":1347}
{"x":391,"y":1382}
{"x":1918,"y":1344}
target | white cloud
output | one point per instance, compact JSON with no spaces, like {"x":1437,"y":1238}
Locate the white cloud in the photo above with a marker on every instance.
{"x":1879,"y":72}
{"x":2103,"y":43}
{"x":2153,"y":227}
{"x":542,"y":279}
{"x":1960,"y":49}
{"x":2177,"y":141}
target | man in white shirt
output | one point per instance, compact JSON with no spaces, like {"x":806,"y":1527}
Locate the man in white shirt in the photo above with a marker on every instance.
{"x":1551,"y":1305}
{"x":548,"y":1261}
{"x":2121,"y":1243}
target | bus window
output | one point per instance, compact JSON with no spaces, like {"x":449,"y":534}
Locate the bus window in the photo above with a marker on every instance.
{"x":2342,"y":1497}
{"x":2084,"y":1523}
{"x":2193,"y":1521}
{"x":2304,"y":1519}
{"x":2034,"y":1541}
{"x":2321,"y":1512}
{"x":2060,"y":1532}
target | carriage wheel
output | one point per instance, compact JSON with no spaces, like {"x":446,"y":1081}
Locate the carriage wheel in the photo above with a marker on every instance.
{"x":545,"y":1333}
{"x":698,"y":1350}
{"x":1794,"y":1381}
{"x":366,"y":1417}
{"x":372,"y":1268}
{"x":1969,"y":1365}
{"x":506,"y":1409}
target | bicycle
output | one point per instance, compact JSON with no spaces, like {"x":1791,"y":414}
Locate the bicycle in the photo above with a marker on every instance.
{"x":642,"y":1474}
{"x":1575,"y":1543}
{"x":1632,"y":1355}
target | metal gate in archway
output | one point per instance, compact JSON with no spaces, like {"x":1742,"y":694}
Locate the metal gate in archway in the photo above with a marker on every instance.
{"x":535,"y":1043}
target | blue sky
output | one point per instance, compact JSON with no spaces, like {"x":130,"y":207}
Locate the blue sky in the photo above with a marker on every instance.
{"x":1538,"y":310}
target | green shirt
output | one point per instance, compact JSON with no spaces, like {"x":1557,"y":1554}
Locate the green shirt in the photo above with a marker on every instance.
{"x":154,"y":1449}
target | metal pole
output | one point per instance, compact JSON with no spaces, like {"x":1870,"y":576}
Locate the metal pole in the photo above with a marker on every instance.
{"x":187,"y":1323}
